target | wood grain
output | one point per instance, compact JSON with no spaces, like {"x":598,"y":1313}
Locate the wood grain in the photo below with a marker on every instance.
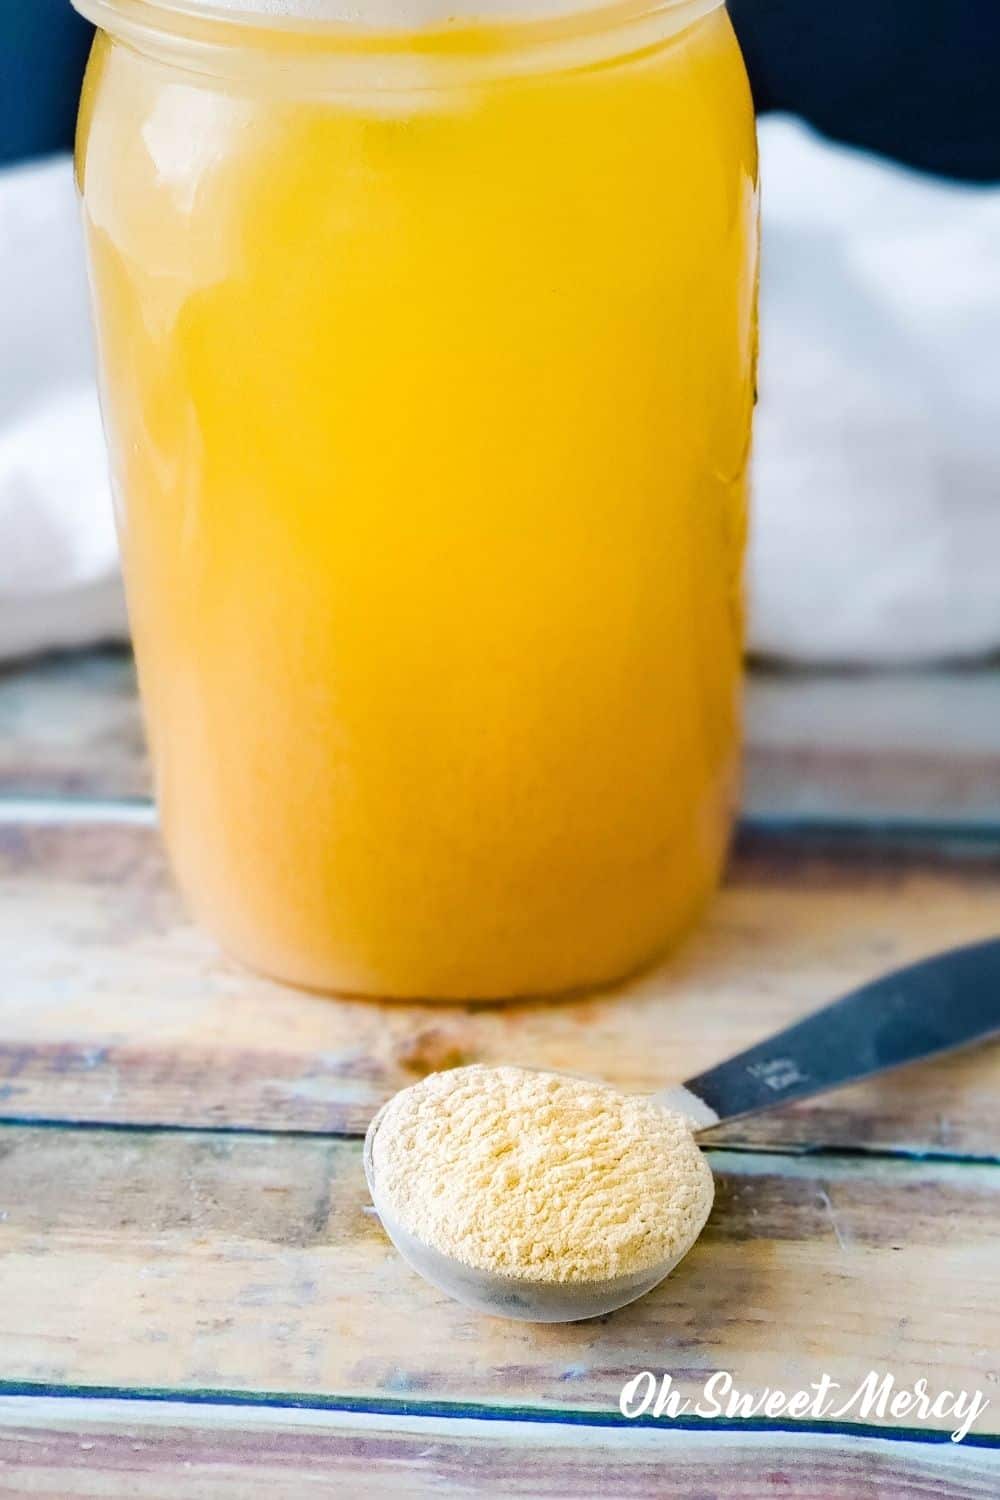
{"x":213,"y":1262}
{"x":919,"y":746}
{"x":875,"y":745}
{"x":115,"y":1009}
{"x":221,"y":1261}
{"x":70,"y":725}
{"x":110,"y":1450}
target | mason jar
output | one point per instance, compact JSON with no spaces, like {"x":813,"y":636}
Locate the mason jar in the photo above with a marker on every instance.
{"x":427,"y":352}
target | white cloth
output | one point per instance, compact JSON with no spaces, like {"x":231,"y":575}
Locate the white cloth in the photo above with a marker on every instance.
{"x":59,"y":578}
{"x":876,"y":530}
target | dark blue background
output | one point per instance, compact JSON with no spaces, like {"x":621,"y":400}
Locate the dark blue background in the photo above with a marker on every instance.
{"x":916,"y":79}
{"x":43,"y":48}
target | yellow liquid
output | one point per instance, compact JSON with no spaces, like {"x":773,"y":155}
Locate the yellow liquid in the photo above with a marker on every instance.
{"x":429,"y":422}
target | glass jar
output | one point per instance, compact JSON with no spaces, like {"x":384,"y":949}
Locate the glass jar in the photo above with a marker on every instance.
{"x":427,"y":354}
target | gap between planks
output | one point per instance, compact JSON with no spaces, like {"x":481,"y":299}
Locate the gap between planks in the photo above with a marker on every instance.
{"x":810,"y":1154}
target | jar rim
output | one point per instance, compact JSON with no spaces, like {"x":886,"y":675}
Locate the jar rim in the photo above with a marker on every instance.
{"x":249,"y":24}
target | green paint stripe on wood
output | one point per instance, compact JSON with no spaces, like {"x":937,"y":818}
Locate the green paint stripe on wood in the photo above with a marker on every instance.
{"x":459,"y":1410}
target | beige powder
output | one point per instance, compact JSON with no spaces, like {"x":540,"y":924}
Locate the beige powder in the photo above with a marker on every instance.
{"x":539,"y":1176}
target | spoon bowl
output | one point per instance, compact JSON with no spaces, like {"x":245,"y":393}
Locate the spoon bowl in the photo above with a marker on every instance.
{"x":500,"y":1296}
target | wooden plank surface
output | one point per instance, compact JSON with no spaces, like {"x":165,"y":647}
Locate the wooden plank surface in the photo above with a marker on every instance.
{"x":239,"y":1256}
{"x":206,"y":1263}
{"x":70,"y":725}
{"x":112,"y":1450}
{"x":819,"y":745}
{"x":922,"y":746}
{"x":115,"y":1009}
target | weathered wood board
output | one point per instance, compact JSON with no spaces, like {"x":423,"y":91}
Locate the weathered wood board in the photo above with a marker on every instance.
{"x":920,"y":746}
{"x":875,"y":745}
{"x":183,"y":1212}
{"x":114,"y":1008}
{"x":111,"y":1450}
{"x":206,"y":1262}
{"x":70,"y":725}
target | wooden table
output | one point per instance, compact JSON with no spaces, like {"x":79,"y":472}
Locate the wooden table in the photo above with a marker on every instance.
{"x":195,"y":1300}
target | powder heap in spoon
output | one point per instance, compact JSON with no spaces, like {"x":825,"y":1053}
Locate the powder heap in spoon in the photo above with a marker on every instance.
{"x":540,"y":1176}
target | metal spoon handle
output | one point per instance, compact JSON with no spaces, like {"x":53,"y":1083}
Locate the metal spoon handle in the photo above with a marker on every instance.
{"x":913,"y":1013}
